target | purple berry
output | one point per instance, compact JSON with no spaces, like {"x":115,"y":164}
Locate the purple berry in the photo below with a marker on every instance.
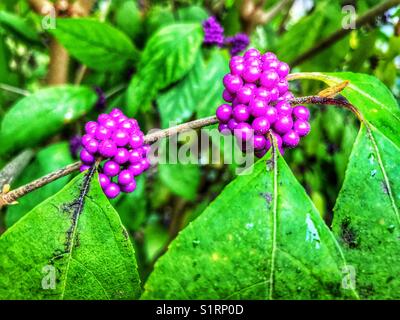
{"x":145,"y":164}
{"x":273,"y":94}
{"x":253,"y":62}
{"x":224,"y":128}
{"x":243,"y":131}
{"x":301,"y":112}
{"x":260,"y":125}
{"x":136,"y":141}
{"x":84,"y":167}
{"x":86,"y":138}
{"x":86,"y":157}
{"x":301,"y":127}
{"x":91,"y":127}
{"x":125,"y":177}
{"x":283,"y":69}
{"x":224,"y":113}
{"x":284,"y":108}
{"x":102,"y":118}
{"x":258,"y":107}
{"x":122,"y":156}
{"x":111,"y":168}
{"x":232,"y":124}
{"x":112,"y":191}
{"x":252,"y":52}
{"x":270,"y":65}
{"x":120,"y":137}
{"x":259,"y":142}
{"x":110,"y":123}
{"x":283,"y":124}
{"x":244,"y":94}
{"x":227,"y":96}
{"x":129,"y":125}
{"x":145,"y":149}
{"x":232,"y":83}
{"x":130,"y":187}
{"x":290,"y":139}
{"x":135,"y":156}
{"x":102,"y":133}
{"x":251,"y":74}
{"x":263,"y":93}
{"x":236,"y":68}
{"x":241,"y":113}
{"x":268,"y":56}
{"x":107,"y":148}
{"x":282,"y":86}
{"x":271,"y":114}
{"x":115,"y":113}
{"x":136,"y":168}
{"x":104,"y":180}
{"x":277,"y":138}
{"x":269,"y":79}
{"x":91,"y":145}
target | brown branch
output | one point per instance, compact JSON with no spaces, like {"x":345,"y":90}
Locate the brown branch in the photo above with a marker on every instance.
{"x":14,"y":168}
{"x":366,"y":18}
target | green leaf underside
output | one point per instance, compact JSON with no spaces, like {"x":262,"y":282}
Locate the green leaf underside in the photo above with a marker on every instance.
{"x":168,"y":56}
{"x":49,"y":110}
{"x":255,"y":241}
{"x":96,"y":44}
{"x":367,"y":211}
{"x":90,"y":251}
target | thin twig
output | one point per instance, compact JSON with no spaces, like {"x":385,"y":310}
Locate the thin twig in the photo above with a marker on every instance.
{"x":14,"y":168}
{"x":366,"y":18}
{"x":16,"y":90}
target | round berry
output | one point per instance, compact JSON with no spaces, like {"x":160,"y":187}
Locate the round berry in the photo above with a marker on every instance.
{"x":273,"y":94}
{"x":269,"y":79}
{"x":251,"y":74}
{"x":282,"y":86}
{"x":112,"y":191}
{"x":252,"y":52}
{"x":86,"y":157}
{"x":283,"y":69}
{"x":145,"y":149}
{"x":232,"y":83}
{"x":86,"y":138}
{"x":104,"y":180}
{"x":145,"y":164}
{"x":120,"y":137}
{"x":130,"y":187}
{"x":236,"y":68}
{"x":129,"y":125}
{"x":241,"y":113}
{"x":243,"y":131}
{"x":259,"y":142}
{"x":136,"y":141}
{"x":135,"y":156}
{"x":244,"y":94}
{"x":102,"y":118}
{"x":91,"y":145}
{"x":111,"y":168}
{"x":125,"y":177}
{"x":283,"y":124}
{"x":110,"y":123}
{"x":268,"y":56}
{"x":224,"y":113}
{"x":91,"y":127}
{"x":136,"y":168}
{"x":278,"y":139}
{"x":224,"y":128}
{"x":102,"y":133}
{"x":301,"y":127}
{"x":301,"y":112}
{"x":227,"y":96}
{"x":232,"y":124}
{"x":263,"y":93}
{"x":84,"y":167}
{"x":258,"y":107}
{"x":107,"y":148}
{"x":115,"y":113}
{"x":290,"y":139}
{"x":122,"y":156}
{"x":271,"y":114}
{"x":253,"y":62}
{"x":284,"y":108}
{"x":260,"y":125}
{"x":270,"y":65}
{"x":121,"y":119}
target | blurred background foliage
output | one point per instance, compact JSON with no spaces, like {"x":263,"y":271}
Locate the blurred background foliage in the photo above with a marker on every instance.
{"x":172,"y":195}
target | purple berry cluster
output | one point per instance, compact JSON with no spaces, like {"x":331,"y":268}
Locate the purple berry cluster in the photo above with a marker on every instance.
{"x":213,"y":32}
{"x":257,"y":95}
{"x":118,"y":141}
{"x":237,"y":43}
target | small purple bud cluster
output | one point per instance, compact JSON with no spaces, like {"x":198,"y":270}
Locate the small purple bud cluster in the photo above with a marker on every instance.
{"x":237,"y":43}
{"x":257,"y":95}
{"x":119,"y":142}
{"x":213,"y":32}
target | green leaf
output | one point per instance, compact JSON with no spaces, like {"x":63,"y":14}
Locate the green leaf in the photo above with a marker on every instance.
{"x":367,"y":211}
{"x":181,"y":179}
{"x":192,"y":14}
{"x":262,"y":238}
{"x":128,"y":18}
{"x":75,"y":236}
{"x":98,"y":45}
{"x":47,"y":160}
{"x":200,"y":91}
{"x":42,"y":114}
{"x":168,"y":56}
{"x":19,"y":25}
